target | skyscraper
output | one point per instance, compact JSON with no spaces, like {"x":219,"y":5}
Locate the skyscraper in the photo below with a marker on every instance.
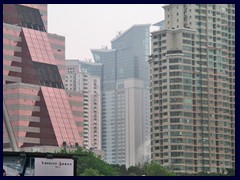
{"x":125,"y":116}
{"x":85,"y":78}
{"x":38,"y":107}
{"x":192,"y":88}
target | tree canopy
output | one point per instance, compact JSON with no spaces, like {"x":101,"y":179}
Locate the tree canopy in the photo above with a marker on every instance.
{"x":86,"y":164}
{"x":92,"y":165}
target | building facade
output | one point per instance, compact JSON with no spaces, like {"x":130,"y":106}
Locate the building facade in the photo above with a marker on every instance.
{"x":57,"y":44}
{"x":38,"y":108}
{"x":125,"y":108}
{"x":85,"y":78}
{"x":192,"y":88}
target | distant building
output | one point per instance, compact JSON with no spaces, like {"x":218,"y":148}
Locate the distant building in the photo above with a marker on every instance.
{"x":192,"y":87}
{"x":36,"y":102}
{"x":160,"y":24}
{"x":125,"y":94}
{"x":85,"y":78}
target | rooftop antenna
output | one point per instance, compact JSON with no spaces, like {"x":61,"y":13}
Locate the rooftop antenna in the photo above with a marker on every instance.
{"x":104,"y":47}
{"x":118,"y":33}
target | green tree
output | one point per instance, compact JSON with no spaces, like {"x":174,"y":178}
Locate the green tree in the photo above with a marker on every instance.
{"x":230,"y":172}
{"x":92,"y":161}
{"x":121,"y":169}
{"x":155,"y":169}
{"x":91,"y":172}
{"x":135,"y":171}
{"x":90,"y":164}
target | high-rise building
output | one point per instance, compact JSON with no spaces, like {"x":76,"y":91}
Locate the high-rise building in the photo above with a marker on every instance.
{"x":85,"y":78}
{"x":192,"y":88}
{"x":38,"y":108}
{"x":125,"y":104}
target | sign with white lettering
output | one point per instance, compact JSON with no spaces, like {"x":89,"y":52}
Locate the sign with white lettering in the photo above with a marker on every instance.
{"x":53,"y":167}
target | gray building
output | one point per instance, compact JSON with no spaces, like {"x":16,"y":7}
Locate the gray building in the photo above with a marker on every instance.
{"x":125,"y":104}
{"x":85,"y":78}
{"x":192,"y":88}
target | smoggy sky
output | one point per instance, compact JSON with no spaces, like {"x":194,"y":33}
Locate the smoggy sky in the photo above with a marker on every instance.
{"x":92,"y":26}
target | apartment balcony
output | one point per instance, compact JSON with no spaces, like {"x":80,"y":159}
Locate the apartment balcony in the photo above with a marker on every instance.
{"x":174,"y":52}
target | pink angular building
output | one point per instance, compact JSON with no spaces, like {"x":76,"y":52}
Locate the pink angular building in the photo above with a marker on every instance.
{"x":40,"y":111}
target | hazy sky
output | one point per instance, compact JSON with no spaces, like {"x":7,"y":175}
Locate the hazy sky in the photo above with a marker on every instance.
{"x":91,"y":26}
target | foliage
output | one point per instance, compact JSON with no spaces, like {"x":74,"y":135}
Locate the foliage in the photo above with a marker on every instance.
{"x":230,"y":172}
{"x":91,"y":172}
{"x":155,"y":169}
{"x":90,"y":161}
{"x":135,"y":171}
{"x":149,"y":169}
{"x":89,"y":164}
{"x":121,"y":169}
